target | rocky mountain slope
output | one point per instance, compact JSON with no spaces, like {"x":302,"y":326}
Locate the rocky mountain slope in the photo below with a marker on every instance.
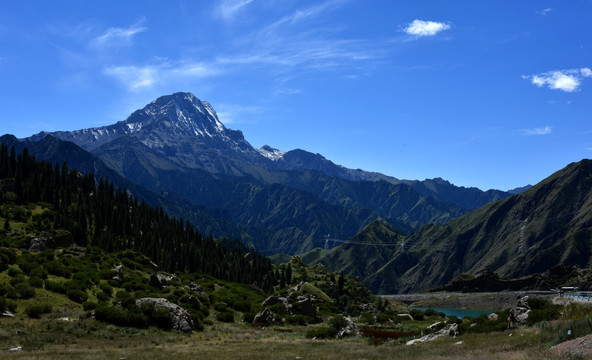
{"x":176,"y":147}
{"x":546,"y":226}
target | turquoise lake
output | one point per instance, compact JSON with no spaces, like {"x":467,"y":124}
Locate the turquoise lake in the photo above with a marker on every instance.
{"x":461,"y":313}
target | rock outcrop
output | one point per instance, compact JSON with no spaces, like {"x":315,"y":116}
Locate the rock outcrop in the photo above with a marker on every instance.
{"x":265,"y":318}
{"x":180,"y":318}
{"x":448,"y":329}
{"x":519,"y":314}
{"x":295,"y":301}
{"x":350,"y":328}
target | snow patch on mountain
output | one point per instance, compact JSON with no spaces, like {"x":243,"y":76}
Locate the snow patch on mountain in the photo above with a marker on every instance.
{"x":271,"y":153}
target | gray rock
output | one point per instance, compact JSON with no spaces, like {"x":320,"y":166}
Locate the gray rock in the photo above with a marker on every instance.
{"x":519,"y":314}
{"x":197,"y":290}
{"x":350,"y":329}
{"x":445,"y":331}
{"x":179,"y":317}
{"x":39,"y":244}
{"x":265,"y":318}
{"x":118,"y":273}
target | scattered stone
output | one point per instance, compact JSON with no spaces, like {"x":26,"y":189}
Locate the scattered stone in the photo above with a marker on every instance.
{"x":459,"y":343}
{"x":406,"y":315}
{"x":179,"y":317}
{"x":197,"y":290}
{"x":445,"y":331}
{"x":14,"y":349}
{"x":118,"y":273}
{"x":164,"y":277}
{"x":434,"y":325}
{"x":519,"y":314}
{"x":7,"y":314}
{"x":493,"y":317}
{"x":20,"y":333}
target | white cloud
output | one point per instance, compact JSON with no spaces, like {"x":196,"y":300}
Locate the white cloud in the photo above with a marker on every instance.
{"x":227,"y":9}
{"x":143,"y":77}
{"x":421,"y":28}
{"x":564,"y":80}
{"x":538,"y":131}
{"x":114,"y":37}
{"x":133,"y":77}
{"x":544,"y":11}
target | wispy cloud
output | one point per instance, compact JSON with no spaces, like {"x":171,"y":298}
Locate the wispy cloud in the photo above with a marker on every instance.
{"x":564,"y":80}
{"x":537,"y":131}
{"x":420,"y":28}
{"x":115,"y":36}
{"x":133,"y":77}
{"x":137,"y":78}
{"x":545,"y":11}
{"x":228,"y":9}
{"x":228,"y":113}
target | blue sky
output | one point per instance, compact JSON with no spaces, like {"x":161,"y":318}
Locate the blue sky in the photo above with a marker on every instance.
{"x":492,"y":94}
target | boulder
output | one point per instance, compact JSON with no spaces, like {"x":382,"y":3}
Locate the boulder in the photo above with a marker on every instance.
{"x":179,"y":317}
{"x":38,"y":244}
{"x":265,"y":318}
{"x":350,"y":329}
{"x":451,"y":328}
{"x":197,"y":290}
{"x":519,"y":314}
{"x":117,"y":273}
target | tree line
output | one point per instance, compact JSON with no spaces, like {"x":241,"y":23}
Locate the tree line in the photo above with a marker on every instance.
{"x":99,"y":214}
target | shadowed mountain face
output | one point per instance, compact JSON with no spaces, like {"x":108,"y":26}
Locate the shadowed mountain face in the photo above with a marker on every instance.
{"x":177,"y":147}
{"x":532,"y":232}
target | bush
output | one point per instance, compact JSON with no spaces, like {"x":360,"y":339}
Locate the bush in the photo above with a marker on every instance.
{"x":101,"y":296}
{"x":321,"y":333}
{"x":417,"y":314}
{"x":36,"y":281}
{"x":299,"y":320}
{"x":35,"y":311}
{"x":89,"y":305}
{"x":77,"y":295}
{"x":249,"y":317}
{"x":24,"y":290}
{"x":119,"y":316}
{"x":225,"y":316}
{"x":55,"y":286}
{"x":108,"y":289}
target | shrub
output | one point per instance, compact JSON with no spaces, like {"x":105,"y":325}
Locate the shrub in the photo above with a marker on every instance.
{"x":108,"y":289}
{"x":321,"y":333}
{"x":36,"y":281}
{"x":55,"y":286}
{"x":124,"y":298}
{"x":417,"y":314}
{"x":24,"y":290}
{"x":89,"y":305}
{"x":35,"y":311}
{"x":77,"y":295}
{"x":299,"y":320}
{"x":14,"y":271}
{"x":101,"y":296}
{"x":119,"y":316}
{"x":249,"y":317}
{"x":225,"y":316}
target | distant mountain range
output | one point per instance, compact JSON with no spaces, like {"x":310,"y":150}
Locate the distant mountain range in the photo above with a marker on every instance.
{"x":281,"y":202}
{"x":395,"y":235}
{"x":548,"y":225}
